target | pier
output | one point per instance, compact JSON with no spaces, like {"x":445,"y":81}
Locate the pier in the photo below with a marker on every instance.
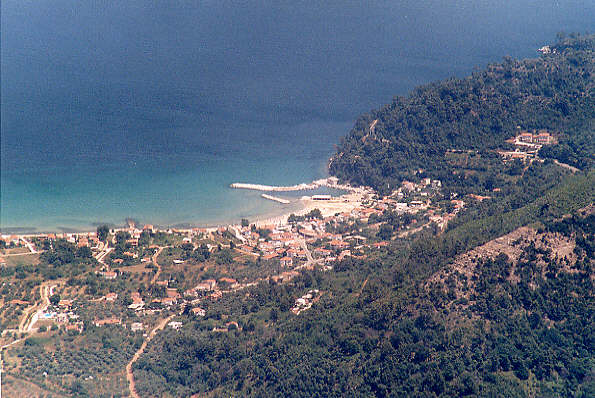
{"x":276,"y":199}
{"x":330,"y":182}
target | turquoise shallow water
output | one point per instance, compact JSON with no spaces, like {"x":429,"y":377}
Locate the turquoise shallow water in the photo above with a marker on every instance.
{"x":150,"y":110}
{"x":164,"y":191}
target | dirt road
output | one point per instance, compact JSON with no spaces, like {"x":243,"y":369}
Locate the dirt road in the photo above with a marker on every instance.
{"x":137,"y":354}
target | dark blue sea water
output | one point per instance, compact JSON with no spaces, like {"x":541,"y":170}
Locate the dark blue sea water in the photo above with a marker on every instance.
{"x":115,"y":109}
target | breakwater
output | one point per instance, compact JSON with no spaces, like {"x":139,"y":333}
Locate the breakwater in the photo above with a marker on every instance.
{"x":330,"y":182}
{"x":276,"y":199}
{"x":259,"y":187}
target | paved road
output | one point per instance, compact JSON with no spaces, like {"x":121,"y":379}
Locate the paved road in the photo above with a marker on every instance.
{"x":101,"y":256}
{"x":45,"y":290}
{"x":310,"y":260}
{"x":29,"y":246}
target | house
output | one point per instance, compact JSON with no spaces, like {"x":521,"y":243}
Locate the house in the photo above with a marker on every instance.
{"x":198,"y":311}
{"x":286,"y":261}
{"x":322,"y":252}
{"x":343,"y":254}
{"x":132,"y":242}
{"x":172,"y":292}
{"x":308,"y":233}
{"x":543,"y":138}
{"x":207,"y":285}
{"x":339,"y":244}
{"x":269,"y":256}
{"x":378,"y":245}
{"x":408,"y":185}
{"x":77,"y":327}
{"x":61,"y":317}
{"x":459,"y":204}
{"x":284,"y":276}
{"x":137,"y":301}
{"x":479,"y":198}
{"x":65,"y":303}
{"x":526,"y":137}
{"x":216,"y":295}
{"x":175,"y":325}
{"x":168,"y":301}
{"x":136,"y":326}
{"x":109,"y":274}
{"x":110,"y":297}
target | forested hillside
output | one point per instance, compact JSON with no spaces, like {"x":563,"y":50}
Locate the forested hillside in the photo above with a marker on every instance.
{"x":412,"y":321}
{"x":498,"y":304}
{"x":554,"y":92}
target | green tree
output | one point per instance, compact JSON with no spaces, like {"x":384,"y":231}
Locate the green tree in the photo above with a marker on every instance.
{"x":102,"y":232}
{"x":55,"y":299}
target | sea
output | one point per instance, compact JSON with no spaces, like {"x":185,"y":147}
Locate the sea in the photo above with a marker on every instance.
{"x":150,"y":110}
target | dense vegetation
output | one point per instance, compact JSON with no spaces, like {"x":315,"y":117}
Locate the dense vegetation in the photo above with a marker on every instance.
{"x":554,"y":92}
{"x":409,"y":318}
{"x":394,"y":336}
{"x":387,"y":325}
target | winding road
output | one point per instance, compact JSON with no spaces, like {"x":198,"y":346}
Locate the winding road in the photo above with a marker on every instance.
{"x":160,"y":326}
{"x":46,"y":290}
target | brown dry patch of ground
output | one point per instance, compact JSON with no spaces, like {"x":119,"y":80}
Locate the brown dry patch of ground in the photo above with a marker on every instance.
{"x":464,"y":266}
{"x":25,"y":259}
{"x":16,"y":387}
{"x":138,"y":268}
{"x":16,"y":250}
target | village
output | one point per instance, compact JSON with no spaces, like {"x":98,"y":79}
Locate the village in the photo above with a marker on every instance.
{"x":140,"y":280}
{"x":146,"y":279}
{"x":327,"y":230}
{"x":302,"y":242}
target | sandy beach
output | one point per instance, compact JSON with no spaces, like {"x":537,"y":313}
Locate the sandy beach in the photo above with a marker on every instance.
{"x":299,"y":206}
{"x":342,"y":204}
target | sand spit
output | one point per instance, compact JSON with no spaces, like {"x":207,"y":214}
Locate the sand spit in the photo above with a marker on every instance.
{"x":342,"y":204}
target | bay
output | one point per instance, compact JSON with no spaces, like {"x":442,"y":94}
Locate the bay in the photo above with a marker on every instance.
{"x":149,"y":110}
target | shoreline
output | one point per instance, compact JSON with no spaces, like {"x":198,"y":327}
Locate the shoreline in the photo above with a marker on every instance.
{"x":300,"y":206}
